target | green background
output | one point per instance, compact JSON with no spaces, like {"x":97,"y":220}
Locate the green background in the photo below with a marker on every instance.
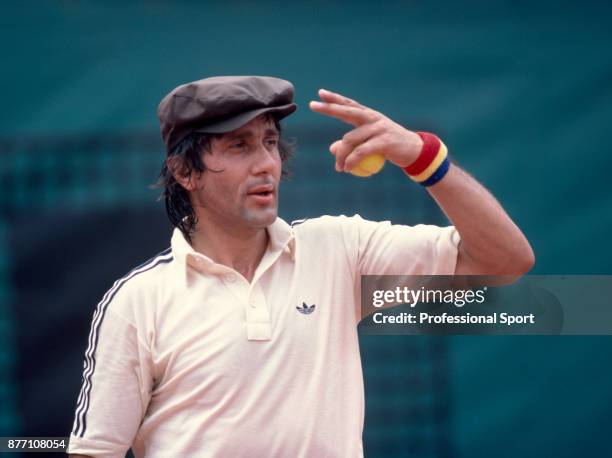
{"x":520,"y":92}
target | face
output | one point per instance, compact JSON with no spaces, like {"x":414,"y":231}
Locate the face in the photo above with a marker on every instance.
{"x":239,"y":189}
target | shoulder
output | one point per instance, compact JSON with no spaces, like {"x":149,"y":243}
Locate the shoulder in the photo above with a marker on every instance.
{"x":326,"y":222}
{"x":329,"y":233}
{"x":317,"y":229}
{"x":139,"y":283}
{"x":333,"y":226}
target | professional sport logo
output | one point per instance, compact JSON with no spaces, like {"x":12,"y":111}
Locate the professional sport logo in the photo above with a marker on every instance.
{"x":305,"y":308}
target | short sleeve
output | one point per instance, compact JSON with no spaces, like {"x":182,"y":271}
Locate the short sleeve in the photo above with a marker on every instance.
{"x":392,"y":249}
{"x":116,"y":387}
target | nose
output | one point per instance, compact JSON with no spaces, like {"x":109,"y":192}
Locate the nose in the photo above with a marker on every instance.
{"x":267,"y":161}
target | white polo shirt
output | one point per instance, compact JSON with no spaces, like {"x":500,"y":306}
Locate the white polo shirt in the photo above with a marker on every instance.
{"x":188,"y":359}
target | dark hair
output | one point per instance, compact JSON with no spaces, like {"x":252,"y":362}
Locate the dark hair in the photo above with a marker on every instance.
{"x":190,"y":151}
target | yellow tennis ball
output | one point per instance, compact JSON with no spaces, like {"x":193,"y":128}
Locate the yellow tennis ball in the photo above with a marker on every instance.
{"x":369,"y":165}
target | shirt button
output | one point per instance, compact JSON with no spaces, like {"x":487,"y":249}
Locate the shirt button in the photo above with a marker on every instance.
{"x":230,"y":278}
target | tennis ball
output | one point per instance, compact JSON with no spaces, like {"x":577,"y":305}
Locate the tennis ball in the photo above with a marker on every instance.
{"x":369,"y":165}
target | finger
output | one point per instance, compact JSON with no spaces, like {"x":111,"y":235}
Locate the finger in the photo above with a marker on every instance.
{"x":336,"y":148}
{"x":342,"y":148}
{"x":352,"y":115}
{"x":333,"y":97}
{"x":341,"y":151}
{"x":333,"y":148}
{"x":362,"y":133}
{"x":372,"y":146}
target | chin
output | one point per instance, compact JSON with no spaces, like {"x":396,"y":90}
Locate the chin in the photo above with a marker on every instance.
{"x":261,"y":219}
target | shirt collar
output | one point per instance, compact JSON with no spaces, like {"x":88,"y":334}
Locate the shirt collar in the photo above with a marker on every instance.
{"x":281,"y":238}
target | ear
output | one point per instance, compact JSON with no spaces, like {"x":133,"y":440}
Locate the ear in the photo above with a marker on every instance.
{"x":181,"y":173}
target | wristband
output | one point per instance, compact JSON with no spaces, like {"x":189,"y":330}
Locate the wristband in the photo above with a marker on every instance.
{"x":431,"y":146}
{"x":432,"y":163}
{"x":438,"y":174}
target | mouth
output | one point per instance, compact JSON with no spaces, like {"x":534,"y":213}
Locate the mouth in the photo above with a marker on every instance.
{"x":262,"y":194}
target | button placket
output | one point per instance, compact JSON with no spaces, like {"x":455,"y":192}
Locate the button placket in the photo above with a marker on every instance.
{"x":235,"y":286}
{"x":259,"y":326}
{"x":258,"y":323}
{"x":258,"y":296}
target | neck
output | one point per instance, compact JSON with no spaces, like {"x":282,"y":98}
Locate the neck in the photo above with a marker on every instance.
{"x":239,"y":249}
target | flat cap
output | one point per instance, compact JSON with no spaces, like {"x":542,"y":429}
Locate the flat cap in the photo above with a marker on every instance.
{"x":221,"y":104}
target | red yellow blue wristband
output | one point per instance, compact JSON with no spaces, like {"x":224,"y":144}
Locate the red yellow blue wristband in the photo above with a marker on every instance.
{"x":431,"y":146}
{"x":438,"y":174}
{"x":432,"y":164}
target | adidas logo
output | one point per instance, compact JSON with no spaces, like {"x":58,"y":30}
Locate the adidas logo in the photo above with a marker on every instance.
{"x":306,"y":309}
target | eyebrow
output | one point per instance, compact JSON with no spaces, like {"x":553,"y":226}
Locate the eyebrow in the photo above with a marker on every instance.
{"x":249,"y":133}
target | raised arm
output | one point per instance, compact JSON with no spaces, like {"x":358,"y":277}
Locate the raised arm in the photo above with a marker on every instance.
{"x":491,"y":243}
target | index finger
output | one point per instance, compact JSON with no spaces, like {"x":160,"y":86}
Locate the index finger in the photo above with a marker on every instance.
{"x":334,"y":97}
{"x":356,"y":116}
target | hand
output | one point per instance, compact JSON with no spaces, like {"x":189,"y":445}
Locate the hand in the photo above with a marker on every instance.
{"x":373,"y":133}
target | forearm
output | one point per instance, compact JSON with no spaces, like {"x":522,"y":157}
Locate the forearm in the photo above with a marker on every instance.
{"x":491,"y":243}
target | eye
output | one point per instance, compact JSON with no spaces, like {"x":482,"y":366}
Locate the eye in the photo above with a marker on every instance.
{"x":238,"y":145}
{"x":272,"y":141}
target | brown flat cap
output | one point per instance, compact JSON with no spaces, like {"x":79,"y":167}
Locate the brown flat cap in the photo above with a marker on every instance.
{"x":221,"y":104}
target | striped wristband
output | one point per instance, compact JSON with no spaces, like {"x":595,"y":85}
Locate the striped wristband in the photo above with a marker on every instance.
{"x":432,"y":164}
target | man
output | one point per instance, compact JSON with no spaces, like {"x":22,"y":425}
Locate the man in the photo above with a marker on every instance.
{"x":241,"y":339}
